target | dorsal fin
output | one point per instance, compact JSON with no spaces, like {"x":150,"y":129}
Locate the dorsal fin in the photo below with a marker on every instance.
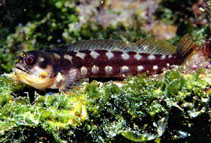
{"x":185,"y":47}
{"x":102,"y":45}
{"x":149,"y":46}
{"x":155,"y":46}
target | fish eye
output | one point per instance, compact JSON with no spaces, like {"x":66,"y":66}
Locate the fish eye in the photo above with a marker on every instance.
{"x":30,"y":60}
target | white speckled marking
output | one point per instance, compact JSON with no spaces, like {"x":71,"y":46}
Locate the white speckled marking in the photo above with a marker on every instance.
{"x":125,"y":56}
{"x":155,"y":67}
{"x":163,"y":57}
{"x":41,"y":59}
{"x":124,"y":69}
{"x":168,"y":64}
{"x":108,"y":69}
{"x":194,"y":66}
{"x":95,"y":69}
{"x":151,"y":57}
{"x":94,"y":54}
{"x":138,"y":56}
{"x":84,"y":70}
{"x":59,"y":79}
{"x":80,"y":55}
{"x":170,"y":56}
{"x":109,"y":55}
{"x":57,"y":56}
{"x":140,"y":68}
{"x":68,"y":57}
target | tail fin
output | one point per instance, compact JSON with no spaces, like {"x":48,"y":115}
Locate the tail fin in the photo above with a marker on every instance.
{"x":185,"y":47}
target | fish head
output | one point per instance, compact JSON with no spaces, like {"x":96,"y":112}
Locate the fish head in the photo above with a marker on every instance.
{"x":36,"y":69}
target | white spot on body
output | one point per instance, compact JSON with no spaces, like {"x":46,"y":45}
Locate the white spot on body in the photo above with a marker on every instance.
{"x":63,"y":82}
{"x":109,"y":54}
{"x":151,"y":57}
{"x":84,"y":71}
{"x":41,"y":59}
{"x":155,"y":67}
{"x":125,"y":56}
{"x":168,"y":64}
{"x":163,"y":57}
{"x":95,"y":69}
{"x":194,"y":66}
{"x":80,"y":55}
{"x":140,"y":68}
{"x":58,"y":82}
{"x":68,"y":57}
{"x":170,"y":56}
{"x":94,"y":54}
{"x":138,"y":56}
{"x":124,"y":69}
{"x":59,"y":77}
{"x":57,"y":56}
{"x":108,"y":69}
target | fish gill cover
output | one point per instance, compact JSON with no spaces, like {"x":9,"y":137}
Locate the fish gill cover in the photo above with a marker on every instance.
{"x":172,"y":107}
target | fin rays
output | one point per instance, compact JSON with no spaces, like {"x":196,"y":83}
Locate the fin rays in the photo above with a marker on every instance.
{"x":154,"y":46}
{"x":185,"y":47}
{"x":149,"y":45}
{"x":102,"y":45}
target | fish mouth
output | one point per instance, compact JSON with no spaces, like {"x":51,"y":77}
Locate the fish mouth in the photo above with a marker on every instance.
{"x":21,"y":68}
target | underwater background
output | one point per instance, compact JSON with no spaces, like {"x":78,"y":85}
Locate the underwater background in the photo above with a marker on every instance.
{"x":173,"y":107}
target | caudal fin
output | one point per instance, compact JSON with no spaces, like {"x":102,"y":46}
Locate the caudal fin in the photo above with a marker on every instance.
{"x":185,"y":47}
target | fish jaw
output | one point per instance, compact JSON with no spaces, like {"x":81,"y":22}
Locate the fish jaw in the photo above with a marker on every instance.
{"x":34,"y":81}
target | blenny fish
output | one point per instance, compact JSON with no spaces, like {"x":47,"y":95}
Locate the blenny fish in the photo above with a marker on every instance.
{"x":64,"y":67}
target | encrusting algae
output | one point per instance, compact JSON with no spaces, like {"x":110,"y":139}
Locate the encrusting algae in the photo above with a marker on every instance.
{"x":142,"y":109}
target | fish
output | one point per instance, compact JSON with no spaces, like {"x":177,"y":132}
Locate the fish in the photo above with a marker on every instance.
{"x":65,"y":67}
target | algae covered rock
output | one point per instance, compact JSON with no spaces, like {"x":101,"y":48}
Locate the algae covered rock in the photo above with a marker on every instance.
{"x":172,"y":107}
{"x":164,"y":108}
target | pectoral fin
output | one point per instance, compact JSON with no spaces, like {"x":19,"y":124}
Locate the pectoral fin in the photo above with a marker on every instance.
{"x":72,"y":78}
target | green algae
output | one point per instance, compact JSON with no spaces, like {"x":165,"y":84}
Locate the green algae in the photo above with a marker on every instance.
{"x":174,"y":107}
{"x":141,"y":109}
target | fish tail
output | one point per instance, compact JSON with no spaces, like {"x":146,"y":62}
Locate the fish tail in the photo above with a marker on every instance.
{"x":186,"y":47}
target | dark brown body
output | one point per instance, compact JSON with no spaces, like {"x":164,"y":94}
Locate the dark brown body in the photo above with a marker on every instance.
{"x":118,"y":64}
